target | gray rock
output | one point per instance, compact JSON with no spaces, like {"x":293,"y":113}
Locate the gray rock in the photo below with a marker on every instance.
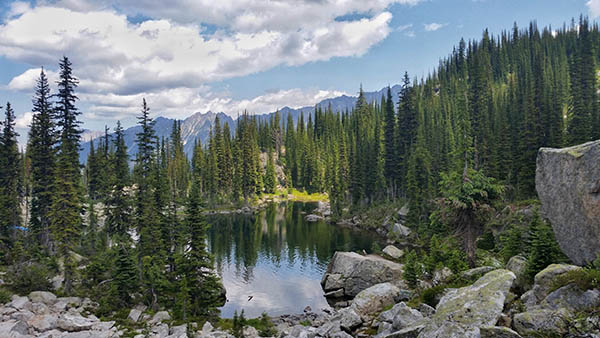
{"x":441,"y":275}
{"x":313,"y":218}
{"x":497,"y":332}
{"x":477,"y":272}
{"x":12,"y":328}
{"x":250,"y":332}
{"x":43,"y":323}
{"x":426,"y":310}
{"x":354,"y":273}
{"x":405,"y":317}
{"x":50,"y":334}
{"x":393,"y":252}
{"x":368,"y":303}
{"x":23,"y":315}
{"x":403,"y":212}
{"x":409,"y":332}
{"x":462,"y":311}
{"x":400,"y":230}
{"x":573,"y":298}
{"x":180,"y":331}
{"x":568,"y":185}
{"x":19,"y":303}
{"x":160,"y":331}
{"x":73,"y":322}
{"x":39,"y":308}
{"x":543,"y":283}
{"x":518,"y":265}
{"x":44,"y":297}
{"x":207,"y":328}
{"x":160,"y":316}
{"x":134,"y":315}
{"x":350,"y":319}
{"x":542,"y":321}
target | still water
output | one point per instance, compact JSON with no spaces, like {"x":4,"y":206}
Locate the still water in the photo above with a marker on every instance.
{"x":273,"y":262}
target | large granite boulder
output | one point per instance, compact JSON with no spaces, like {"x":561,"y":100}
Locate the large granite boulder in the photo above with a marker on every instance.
{"x":542,"y":322}
{"x":518,"y":265}
{"x":461,"y":312}
{"x":370,"y":302}
{"x":544,"y":282}
{"x":349,"y":273}
{"x":568,"y":185}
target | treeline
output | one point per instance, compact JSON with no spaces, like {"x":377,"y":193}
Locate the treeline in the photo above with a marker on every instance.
{"x":141,"y":234}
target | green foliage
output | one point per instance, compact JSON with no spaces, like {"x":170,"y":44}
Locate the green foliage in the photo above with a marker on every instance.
{"x":412,"y":269}
{"x":238,"y":324}
{"x":544,"y":248}
{"x":28,"y":277}
{"x":585,"y":279}
{"x":466,"y":204}
{"x":512,"y":243}
{"x":486,"y":241}
{"x":4,"y":296}
{"x":431,"y":296}
{"x":444,"y":253}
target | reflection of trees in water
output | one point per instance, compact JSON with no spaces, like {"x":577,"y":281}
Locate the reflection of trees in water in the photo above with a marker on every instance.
{"x":278,"y":230}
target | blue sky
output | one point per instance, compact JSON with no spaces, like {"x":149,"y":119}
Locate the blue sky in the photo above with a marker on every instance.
{"x":233,"y":55}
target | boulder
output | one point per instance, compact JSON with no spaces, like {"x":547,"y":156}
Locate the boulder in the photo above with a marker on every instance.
{"x":313,"y":218}
{"x":368,"y":303}
{"x":400,"y":230}
{"x":19,"y":303}
{"x":250,"y":332}
{"x":518,"y":265}
{"x":11,"y":328}
{"x":393,"y":252}
{"x":43,"y":297}
{"x":568,"y":184}
{"x":497,"y":332}
{"x":42,"y":323}
{"x":160,"y":316}
{"x":39,"y":308}
{"x":134,"y":315}
{"x":544,"y":282}
{"x":573,"y":298}
{"x":542,"y":322}
{"x":426,"y":310}
{"x":350,"y":319}
{"x":73,"y":322}
{"x":477,"y":272}
{"x":353,"y":273}
{"x":462,"y":311}
{"x":409,"y":332}
{"x":441,"y":275}
{"x":207,"y":328}
{"x":180,"y":331}
{"x":400,"y":316}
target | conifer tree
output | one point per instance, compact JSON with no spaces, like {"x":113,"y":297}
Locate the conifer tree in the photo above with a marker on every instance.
{"x":270,"y":178}
{"x":65,"y":212}
{"x":41,"y":153}
{"x":10,"y":172}
{"x":118,"y":204}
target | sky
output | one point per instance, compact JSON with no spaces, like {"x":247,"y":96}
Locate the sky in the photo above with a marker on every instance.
{"x":187,"y":56}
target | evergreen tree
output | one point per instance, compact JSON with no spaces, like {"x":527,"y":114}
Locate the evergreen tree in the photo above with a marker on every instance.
{"x":41,"y":153}
{"x":118,"y":204}
{"x":10,"y":173}
{"x":270,"y":177}
{"x":65,"y":212}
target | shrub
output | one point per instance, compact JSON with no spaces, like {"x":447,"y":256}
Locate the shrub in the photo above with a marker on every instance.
{"x":4,"y":296}
{"x":487,"y":241}
{"x":430,"y":296}
{"x":28,"y":277}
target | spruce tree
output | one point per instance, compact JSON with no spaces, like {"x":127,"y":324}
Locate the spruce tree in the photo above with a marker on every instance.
{"x":118,"y":204}
{"x":65,"y":212}
{"x":42,"y":155}
{"x":10,"y":172}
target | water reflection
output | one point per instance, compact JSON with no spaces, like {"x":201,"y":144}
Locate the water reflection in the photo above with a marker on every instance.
{"x":273,"y":262}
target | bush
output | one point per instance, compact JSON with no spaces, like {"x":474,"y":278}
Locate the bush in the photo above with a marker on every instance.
{"x":28,"y":277}
{"x":487,"y":241}
{"x":4,"y":296}
{"x":431,"y":296}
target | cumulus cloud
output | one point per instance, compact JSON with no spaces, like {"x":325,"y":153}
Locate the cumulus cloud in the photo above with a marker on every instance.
{"x":170,"y":58}
{"x":24,"y":120}
{"x":432,"y":27}
{"x":594,"y":8}
{"x":27,"y":80}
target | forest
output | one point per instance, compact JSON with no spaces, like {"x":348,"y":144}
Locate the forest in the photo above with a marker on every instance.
{"x":452,"y":144}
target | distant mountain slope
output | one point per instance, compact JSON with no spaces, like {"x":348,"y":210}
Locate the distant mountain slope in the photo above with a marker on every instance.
{"x":198,"y":125}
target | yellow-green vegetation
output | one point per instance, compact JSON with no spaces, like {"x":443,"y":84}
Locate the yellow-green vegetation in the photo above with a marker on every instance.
{"x":4,"y":296}
{"x":585,"y":279}
{"x":263,"y":324}
{"x":303,"y":196}
{"x":373,"y":216}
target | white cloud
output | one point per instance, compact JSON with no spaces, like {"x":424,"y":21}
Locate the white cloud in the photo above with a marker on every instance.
{"x":172,"y":60}
{"x":27,"y":80}
{"x":432,"y":27}
{"x":593,"y":8}
{"x":24,"y":120}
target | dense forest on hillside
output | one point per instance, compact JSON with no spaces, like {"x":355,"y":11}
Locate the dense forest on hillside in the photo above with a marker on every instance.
{"x":449,"y":144}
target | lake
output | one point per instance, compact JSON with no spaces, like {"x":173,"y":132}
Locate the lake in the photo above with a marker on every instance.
{"x":273,"y":261}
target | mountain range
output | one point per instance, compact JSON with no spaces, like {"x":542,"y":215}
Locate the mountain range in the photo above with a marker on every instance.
{"x":199,"y":125}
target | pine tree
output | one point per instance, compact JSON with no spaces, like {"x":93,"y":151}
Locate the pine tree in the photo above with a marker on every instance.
{"x":270,"y":178}
{"x":390,"y":142}
{"x":125,"y":276}
{"x":65,"y":212}
{"x":10,"y":172}
{"x":544,"y":250}
{"x":118,"y":204}
{"x":42,"y":155}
